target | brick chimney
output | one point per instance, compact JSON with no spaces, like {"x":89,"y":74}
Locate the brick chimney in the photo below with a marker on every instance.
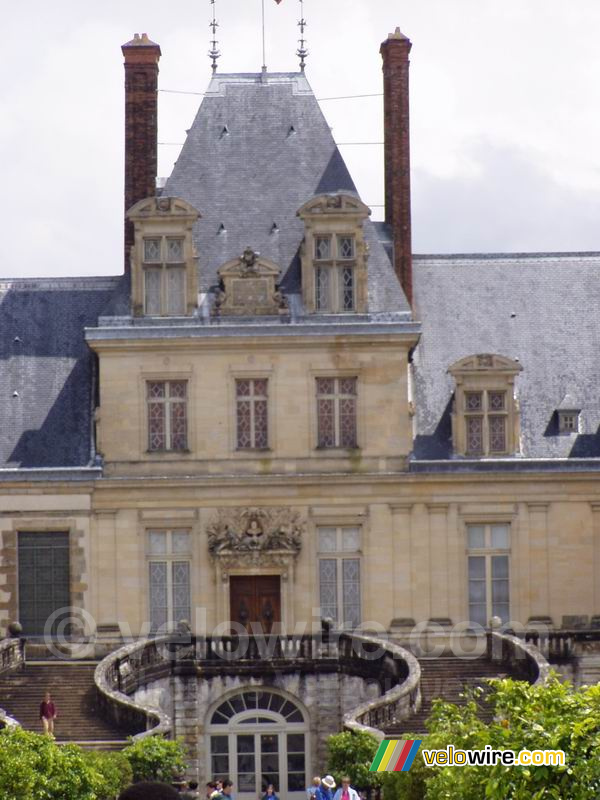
{"x":396,"y":119}
{"x":141,"y":125}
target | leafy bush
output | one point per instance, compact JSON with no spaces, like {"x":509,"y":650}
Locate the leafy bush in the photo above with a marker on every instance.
{"x":32,"y":766}
{"x":114,"y":771}
{"x":549,"y":717}
{"x":351,"y":754}
{"x":155,"y":759}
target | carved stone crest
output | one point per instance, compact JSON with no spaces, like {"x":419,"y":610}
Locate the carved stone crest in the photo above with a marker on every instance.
{"x":249,"y":286}
{"x":253,"y":535}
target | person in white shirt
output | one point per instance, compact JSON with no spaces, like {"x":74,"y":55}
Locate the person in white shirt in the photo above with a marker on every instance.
{"x":346,"y":792}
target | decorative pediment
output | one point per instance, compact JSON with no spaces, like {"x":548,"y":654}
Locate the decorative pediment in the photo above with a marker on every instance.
{"x":161,"y":207}
{"x":239,"y":536}
{"x":334,"y":204}
{"x":485,"y":362}
{"x":249,"y":287}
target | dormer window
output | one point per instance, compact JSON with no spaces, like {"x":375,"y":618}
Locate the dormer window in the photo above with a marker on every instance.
{"x":164,"y":279}
{"x":485,"y":418}
{"x":568,"y":421}
{"x":164,"y":276}
{"x":334,"y":254}
{"x":334,"y":273}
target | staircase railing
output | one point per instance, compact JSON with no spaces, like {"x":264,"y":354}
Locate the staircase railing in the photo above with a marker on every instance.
{"x":395,"y":705}
{"x":134,"y":666}
{"x":522,"y":657}
{"x":12,"y":656}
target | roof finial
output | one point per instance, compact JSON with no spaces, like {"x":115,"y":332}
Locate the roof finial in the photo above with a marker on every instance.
{"x":302,"y":52}
{"x":214,"y":53}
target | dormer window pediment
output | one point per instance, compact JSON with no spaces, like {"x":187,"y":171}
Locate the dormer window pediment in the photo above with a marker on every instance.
{"x":164,"y":279}
{"x":334,"y":254}
{"x":249,"y":287}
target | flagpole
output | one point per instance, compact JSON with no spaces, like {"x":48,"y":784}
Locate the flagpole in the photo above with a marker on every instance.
{"x":264,"y":64}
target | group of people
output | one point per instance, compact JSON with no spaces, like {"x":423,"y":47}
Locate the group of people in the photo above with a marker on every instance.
{"x":325,"y":789}
{"x":320,"y":789}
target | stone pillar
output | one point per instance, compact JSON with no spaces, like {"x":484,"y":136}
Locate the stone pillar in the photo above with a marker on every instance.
{"x":141,"y":125}
{"x":395,"y":51}
{"x":401,"y":555}
{"x":438,"y":548}
{"x":539,"y":573}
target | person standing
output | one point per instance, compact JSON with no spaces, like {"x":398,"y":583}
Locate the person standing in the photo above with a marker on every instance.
{"x":312,"y":789}
{"x":346,"y":792}
{"x":270,"y":793}
{"x":325,"y":790}
{"x":191,"y":792}
{"x":48,"y":713}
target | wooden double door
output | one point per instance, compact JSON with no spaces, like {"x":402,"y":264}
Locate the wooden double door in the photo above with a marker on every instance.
{"x":255,"y":602}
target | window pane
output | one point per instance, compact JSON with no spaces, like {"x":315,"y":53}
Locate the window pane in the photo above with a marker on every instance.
{"x":180,"y":542}
{"x":328,"y":587}
{"x":326,"y":386}
{"x":181,"y":590}
{"x":156,"y":426}
{"x":350,"y":539}
{"x":322,"y":288}
{"x":322,"y":247}
{"x":499,"y":592}
{"x":327,"y":539}
{"x":152,"y":291}
{"x":496,"y":401}
{"x":500,"y":567}
{"x":476,"y":591}
{"x":176,"y":290}
{"x":478,"y":614}
{"x":219,"y":744}
{"x":501,"y":610}
{"x":474,"y":435}
{"x":477,"y":567}
{"x":296,"y":781}
{"x":260,"y":423}
{"x":174,"y":251}
{"x":473,"y":401}
{"x":347,"y":288}
{"x":244,"y":425}
{"x":497,"y":426}
{"x":476,"y":534}
{"x":158,"y":593}
{"x":151,"y":250}
{"x":295,"y":743}
{"x":347,"y":422}
{"x":351,"y":591}
{"x":348,"y":386}
{"x":326,"y":422}
{"x":500,"y":537}
{"x":345,"y":247}
{"x":178,"y":425}
{"x":157,"y":542}
{"x":242,"y":388}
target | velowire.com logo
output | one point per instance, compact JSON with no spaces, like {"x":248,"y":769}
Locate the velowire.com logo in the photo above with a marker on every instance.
{"x":395,"y":755}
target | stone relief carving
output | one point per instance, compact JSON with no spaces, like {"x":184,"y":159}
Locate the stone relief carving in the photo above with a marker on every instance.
{"x":249,"y":286}
{"x":260,"y":532}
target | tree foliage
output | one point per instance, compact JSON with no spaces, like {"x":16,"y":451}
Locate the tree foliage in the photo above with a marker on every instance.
{"x":550,"y":717}
{"x":351,"y":754}
{"x":155,"y":759}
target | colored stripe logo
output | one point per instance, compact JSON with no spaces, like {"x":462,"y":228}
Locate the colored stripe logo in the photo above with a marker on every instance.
{"x":395,"y":755}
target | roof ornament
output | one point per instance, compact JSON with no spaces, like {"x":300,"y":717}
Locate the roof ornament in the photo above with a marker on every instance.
{"x":302,"y":51}
{"x":214,"y":53}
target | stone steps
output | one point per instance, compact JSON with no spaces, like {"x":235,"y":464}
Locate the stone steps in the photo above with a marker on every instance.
{"x":73,"y":691}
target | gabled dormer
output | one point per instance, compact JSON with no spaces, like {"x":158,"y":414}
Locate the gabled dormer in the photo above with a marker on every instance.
{"x":164,"y":274}
{"x":334,"y":254}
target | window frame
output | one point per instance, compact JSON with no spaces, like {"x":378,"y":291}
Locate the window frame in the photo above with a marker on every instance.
{"x":252,"y":399}
{"x":486,"y":414}
{"x":563,"y":416}
{"x":167,"y":400}
{"x":340,"y":555}
{"x":488,"y":552}
{"x":169,"y":558}
{"x":162,"y":265}
{"x":336,"y":396}
{"x":334,"y":266}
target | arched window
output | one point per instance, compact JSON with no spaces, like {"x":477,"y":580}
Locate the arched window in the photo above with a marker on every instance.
{"x":257,"y":737}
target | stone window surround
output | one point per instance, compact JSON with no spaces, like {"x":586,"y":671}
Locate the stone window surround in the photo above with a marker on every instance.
{"x":240,"y":373}
{"x":166,"y":374}
{"x":327,"y":452}
{"x":485,"y":373}
{"x":10,"y":567}
{"x":163,"y":217}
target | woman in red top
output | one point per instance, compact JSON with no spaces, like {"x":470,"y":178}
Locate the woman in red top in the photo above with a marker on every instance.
{"x":48,"y":713}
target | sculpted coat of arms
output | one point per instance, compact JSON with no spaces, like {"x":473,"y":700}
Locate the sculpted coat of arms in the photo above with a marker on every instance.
{"x":255,"y":530}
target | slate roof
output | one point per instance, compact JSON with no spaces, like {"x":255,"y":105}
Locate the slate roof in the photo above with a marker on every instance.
{"x":540,"y":308}
{"x":46,"y":368}
{"x":258,"y":149}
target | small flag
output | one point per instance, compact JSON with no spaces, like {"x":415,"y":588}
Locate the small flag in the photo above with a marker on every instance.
{"x":395,"y":755}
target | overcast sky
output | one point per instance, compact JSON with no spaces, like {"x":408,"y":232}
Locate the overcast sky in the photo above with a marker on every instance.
{"x":505,"y":114}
